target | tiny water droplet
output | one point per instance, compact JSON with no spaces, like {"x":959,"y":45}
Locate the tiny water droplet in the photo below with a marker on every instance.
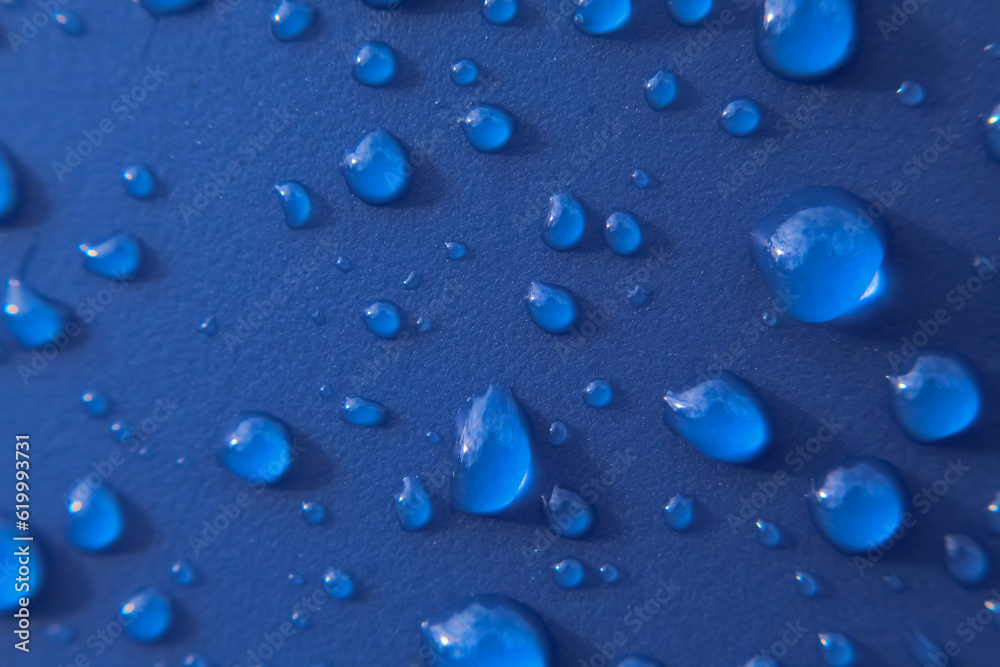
{"x":558,"y":433}
{"x":689,"y":12}
{"x":768,"y":534}
{"x":59,"y":633}
{"x":910,"y":93}
{"x":168,"y":6}
{"x":464,"y":72}
{"x":661,"y":89}
{"x":291,"y":19}
{"x":598,"y":394}
{"x":432,"y":437}
{"x":300,"y":618}
{"x":992,"y":50}
{"x":343,"y":264}
{"x":120,"y":431}
{"x":769,"y":318}
{"x":313,"y":512}
{"x":992,"y":132}
{"x":939,"y":397}
{"x":209,"y":327}
{"x":318,"y":317}
{"x":378,"y":171}
{"x":96,"y":404}
{"x":138,"y":181}
{"x":564,"y":226}
{"x":69,"y":21}
{"x":993,"y":515}
{"x":325,"y":391}
{"x":609,"y":573}
{"x":96,"y":520}
{"x":383,"y":319}
{"x":966,"y":560}
{"x":923,"y":650}
{"x":638,"y":296}
{"x":640,"y":178}
{"x":568,"y":573}
{"x":31,"y":318}
{"x":147,"y":615}
{"x":413,"y":507}
{"x":741,"y":117}
{"x":679,"y":512}
{"x":837,"y":650}
{"x":759,"y":661}
{"x":808,"y":585}
{"x":601,"y":17}
{"x":259,"y":449}
{"x":893,"y":582}
{"x":295,"y":579}
{"x":488,"y":128}
{"x":639,"y":661}
{"x":424,"y":324}
{"x":622,"y":233}
{"x":375,"y":64}
{"x":118,"y":256}
{"x":803,"y":40}
{"x":567,"y":512}
{"x":412,"y":281}
{"x":338,"y":584}
{"x":363,"y":412}
{"x":552,"y":307}
{"x":195,"y":661}
{"x":454,"y":250}
{"x":182,"y":573}
{"x":295,"y":204}
{"x":499,"y":12}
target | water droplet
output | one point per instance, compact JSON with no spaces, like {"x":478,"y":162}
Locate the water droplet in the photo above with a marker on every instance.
{"x":375,"y":64}
{"x":893,"y":582}
{"x":939,"y":396}
{"x":640,"y":178}
{"x":552,"y":307}
{"x":558,"y":434}
{"x":69,"y":21}
{"x":412,"y":281}
{"x":768,"y":534}
{"x":383,"y":319}
{"x":638,"y":296}
{"x":499,"y":12}
{"x":760,"y":661}
{"x":992,"y":132}
{"x":147,"y":615}
{"x":338,"y":584}
{"x":313,"y":512}
{"x":563,"y":229}
{"x":454,"y":250}
{"x":259,"y":449}
{"x":722,"y":418}
{"x":993,"y":50}
{"x":209,"y":327}
{"x":362,"y":412}
{"x":343,"y":264}
{"x":325,"y":391}
{"x":993,"y":515}
{"x":769,"y":318}
{"x":9,"y":187}
{"x":567,"y":512}
{"x":967,"y":562}
{"x":120,"y":431}
{"x":195,"y":661}
{"x":59,"y":633}
{"x":413,"y":507}
{"x":487,"y":128}
{"x":837,"y":650}
{"x":805,"y":40}
{"x":168,"y":6}
{"x":31,"y":318}
{"x":568,"y":573}
{"x":598,"y":394}
{"x":318,"y":317}
{"x":910,"y":93}
{"x":118,"y":256}
{"x":96,"y":404}
{"x":295,"y":579}
{"x":291,"y":20}
{"x":679,"y":512}
{"x":11,"y":590}
{"x":295,"y":203}
{"x":494,"y":453}
{"x":138,"y":181}
{"x":464,"y":72}
{"x":639,"y":661}
{"x":689,"y":12}
{"x":622,"y":233}
{"x":923,"y":650}
{"x":300,"y":618}
{"x":661,"y":89}
{"x":96,"y":520}
{"x":601,"y":17}
{"x":432,"y":437}
{"x":423,"y":323}
{"x":378,"y":171}
{"x":182,"y":573}
{"x":819,"y":252}
{"x":487,"y":630}
{"x":808,"y":585}
{"x":741,"y":117}
{"x":859,"y":505}
{"x":609,"y":573}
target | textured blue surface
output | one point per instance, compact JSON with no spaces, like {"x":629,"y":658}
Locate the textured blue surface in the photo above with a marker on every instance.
{"x":215,"y":81}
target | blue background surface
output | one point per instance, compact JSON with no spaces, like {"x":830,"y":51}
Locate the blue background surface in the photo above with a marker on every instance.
{"x":584,"y":127}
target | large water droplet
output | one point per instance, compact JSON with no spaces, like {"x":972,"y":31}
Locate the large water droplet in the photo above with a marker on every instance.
{"x":768,"y":534}
{"x":568,"y":573}
{"x":10,"y":189}
{"x":805,"y":40}
{"x":96,"y":404}
{"x":837,"y":650}
{"x":563,"y":229}
{"x":723,"y":418}
{"x":552,"y":307}
{"x":118,"y":256}
{"x":383,"y":319}
{"x":689,"y":12}
{"x":992,"y":134}
{"x":494,"y":453}
{"x":499,"y":12}
{"x":807,"y":583}
{"x":487,"y":631}
{"x":363,"y":412}
{"x":679,"y":512}
{"x":622,"y":233}
{"x":600,"y":17}
{"x":741,"y":117}
{"x":147,"y":615}
{"x":819,"y":252}
{"x":464,"y":72}
{"x":11,"y":588}
{"x":138,"y":181}
{"x":338,"y":584}
{"x":291,"y":19}
{"x":487,"y":128}
{"x":168,"y":6}
{"x":910,"y":93}
{"x":939,"y":396}
{"x":598,"y":394}
{"x":661,"y":89}
{"x":30,"y":317}
{"x":375,"y":64}
{"x":858,"y":505}
{"x":295,"y":204}
{"x":413,"y":507}
{"x":259,"y":449}
{"x":96,"y":520}
{"x":567,"y":512}
{"x":378,"y":171}
{"x":966,"y":560}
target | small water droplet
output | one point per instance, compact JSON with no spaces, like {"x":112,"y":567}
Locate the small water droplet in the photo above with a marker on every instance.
{"x":993,"y":132}
{"x":59,"y":633}
{"x":640,"y":178}
{"x":413,"y":507}
{"x":295,"y":579}
{"x":383,"y":319}
{"x":432,"y":437}
{"x":493,"y":630}
{"x":910,"y":93}
{"x":638,"y":296}
{"x":325,"y":391}
{"x":412,"y":281}
{"x":118,"y":256}
{"x":259,"y":449}
{"x":96,"y":520}
{"x":966,"y":560}
{"x":598,"y":394}
{"x":69,"y":21}
{"x":661,"y":89}
{"x":741,"y":117}
{"x":768,"y":534}
{"x":808,"y":585}
{"x":343,"y":264}
{"x":168,"y":6}
{"x":552,"y":307}
{"x":622,"y":233}
{"x":291,"y":19}
{"x":564,"y":226}
{"x":558,"y":433}
{"x":318,"y":317}
{"x":601,"y":17}
{"x":568,"y":573}
{"x":295,"y":204}
{"x":939,"y":397}
{"x":609,"y":573}
{"x":639,"y":661}
{"x":488,"y":128}
{"x":378,"y":171}
{"x":464,"y":72}
{"x":759,"y":661}
{"x":96,"y":404}
{"x":375,"y":64}
{"x":338,"y":584}
{"x":923,"y":650}
{"x":209,"y":327}
{"x":147,"y":615}
{"x":12,"y":590}
{"x":194,"y":660}
{"x":567,"y":512}
{"x":769,"y":318}
{"x":455,"y":250}
{"x":992,"y":50}
{"x":120,"y":431}
{"x":679,"y":512}
{"x":138,"y":181}
{"x":499,"y":12}
{"x":182,"y":573}
{"x":31,"y":318}
{"x":10,"y":191}
{"x":993,"y":515}
{"x":313,"y":512}
{"x":893,"y":582}
{"x":689,"y":12}
{"x":804,"y":40}
{"x":300,"y":618}
{"x":363,"y":412}
{"x":424,"y":324}
{"x":837,"y":650}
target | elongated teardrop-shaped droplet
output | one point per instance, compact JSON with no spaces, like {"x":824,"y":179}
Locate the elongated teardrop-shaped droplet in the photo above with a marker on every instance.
{"x":383,"y":319}
{"x":807,"y":583}
{"x":858,"y":505}
{"x":568,"y":573}
{"x":313,"y":512}
{"x":375,"y":64}
{"x":966,"y":560}
{"x":499,"y":12}
{"x":138,"y":181}
{"x":819,"y":252}
{"x":487,"y":128}
{"x":295,"y":204}
{"x":910,"y":93}
{"x":10,"y":187}
{"x":722,"y":418}
{"x":13,"y":587}
{"x":338,"y":584}
{"x":96,"y":520}
{"x":363,"y":412}
{"x":598,"y":394}
{"x":768,"y":534}
{"x":378,"y":171}
{"x":259,"y":449}
{"x":567,"y":512}
{"x":639,"y":661}
{"x":413,"y":507}
{"x":689,"y":12}
{"x":412,"y":281}
{"x":679,"y":512}
{"x":741,"y":117}
{"x":563,"y":228}
{"x":552,"y":307}
{"x":96,"y":404}
{"x":487,"y":631}
{"x":805,"y":40}
{"x":69,"y":21}
{"x":601,"y":17}
{"x":291,"y":19}
{"x":992,"y":135}
{"x":119,"y":256}
{"x":837,"y":650}
{"x":464,"y":72}
{"x":168,"y":6}
{"x":661,"y":89}
{"x":993,"y":515}
{"x":147,"y":615}
{"x":494,"y":453}
{"x":558,"y":432}
{"x":939,"y":396}
{"x":622,"y":233}
{"x":31,"y":318}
